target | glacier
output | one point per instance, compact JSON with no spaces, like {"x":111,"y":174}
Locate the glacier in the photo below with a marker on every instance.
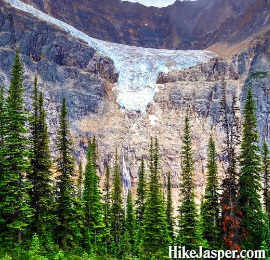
{"x":138,"y":67}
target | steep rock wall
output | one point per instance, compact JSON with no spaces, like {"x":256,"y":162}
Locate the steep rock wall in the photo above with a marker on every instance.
{"x":69,"y":68}
{"x":66,"y":67}
{"x":183,"y":25}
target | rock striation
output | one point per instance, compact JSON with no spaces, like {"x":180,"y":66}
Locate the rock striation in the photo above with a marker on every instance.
{"x":184,"y":25}
{"x":68,"y":67}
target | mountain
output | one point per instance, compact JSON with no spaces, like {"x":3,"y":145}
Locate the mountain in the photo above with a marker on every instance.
{"x":184,"y":25}
{"x":89,"y":73}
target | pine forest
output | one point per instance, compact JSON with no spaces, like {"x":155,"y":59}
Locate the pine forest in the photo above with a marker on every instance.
{"x":54,"y":207}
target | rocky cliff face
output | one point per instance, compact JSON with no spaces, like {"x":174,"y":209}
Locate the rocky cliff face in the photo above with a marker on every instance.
{"x":68,"y":67}
{"x":183,"y":25}
{"x":65,"y":66}
{"x":125,"y":22}
{"x":197,"y":89}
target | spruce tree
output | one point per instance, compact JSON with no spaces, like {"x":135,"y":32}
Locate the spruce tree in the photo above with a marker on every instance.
{"x":129,"y":226}
{"x":93,"y":209}
{"x":15,"y":207}
{"x":94,"y":148}
{"x":80,"y":181}
{"x":140,"y":205}
{"x":266,"y":180}
{"x":41,"y":176}
{"x":250,"y":179}
{"x":266,"y":198}
{"x":107,"y":208}
{"x":2,"y":129}
{"x":64,"y":185}
{"x":141,"y":197}
{"x":169,"y":208}
{"x":2,"y":111}
{"x":210,"y":206}
{"x":230,"y":211}
{"x":117,"y":211}
{"x":78,"y":220}
{"x":155,"y":230}
{"x":188,"y":223}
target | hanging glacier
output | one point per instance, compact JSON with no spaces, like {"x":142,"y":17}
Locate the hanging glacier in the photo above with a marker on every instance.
{"x":138,"y":67}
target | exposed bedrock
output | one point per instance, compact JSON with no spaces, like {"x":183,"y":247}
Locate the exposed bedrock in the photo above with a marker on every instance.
{"x":67,"y":67}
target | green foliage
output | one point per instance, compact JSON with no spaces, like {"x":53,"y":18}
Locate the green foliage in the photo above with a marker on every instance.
{"x":266,"y":178}
{"x":84,"y":228}
{"x":34,"y":252}
{"x":42,"y":198}
{"x":230,"y":212}
{"x":141,"y":194}
{"x":107,"y":208}
{"x":2,"y":173}
{"x":129,"y":226}
{"x":250,"y":179}
{"x":65,"y":189}
{"x":188,"y":233}
{"x":92,"y":207}
{"x":210,"y":205}
{"x":155,"y":230}
{"x":2,"y":113}
{"x":15,"y":211}
{"x":6,"y":257}
{"x":60,"y":256}
{"x":140,"y":203}
{"x":80,"y":181}
{"x":117,"y":211}
{"x":169,"y":208}
{"x":258,"y":75}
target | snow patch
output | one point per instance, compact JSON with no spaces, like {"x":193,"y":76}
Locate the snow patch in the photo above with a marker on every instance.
{"x":138,"y":67}
{"x":153,"y":120}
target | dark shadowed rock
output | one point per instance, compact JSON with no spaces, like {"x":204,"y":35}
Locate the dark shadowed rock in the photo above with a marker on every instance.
{"x":182,"y":25}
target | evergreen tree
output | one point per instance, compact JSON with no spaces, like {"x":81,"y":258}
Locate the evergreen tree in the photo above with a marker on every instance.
{"x":230,"y":211}
{"x":117,"y":211}
{"x":40,"y":177}
{"x":80,"y":181}
{"x":64,"y":185}
{"x":141,"y":197}
{"x":169,"y":208}
{"x":2,"y":112}
{"x":155,"y":231}
{"x":2,"y":172}
{"x":266,"y":198}
{"x":94,"y":148}
{"x":129,"y":225}
{"x":15,"y":211}
{"x":93,"y":209}
{"x":107,"y":208}
{"x":188,"y":234}
{"x":266,"y":181}
{"x":78,"y":220}
{"x":250,"y":179}
{"x":210,"y":205}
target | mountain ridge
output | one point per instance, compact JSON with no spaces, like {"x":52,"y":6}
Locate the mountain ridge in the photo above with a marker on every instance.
{"x":68,"y":67}
{"x":183,"y":25}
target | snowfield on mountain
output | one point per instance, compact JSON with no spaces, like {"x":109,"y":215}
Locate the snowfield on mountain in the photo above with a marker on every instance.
{"x":138,"y":67}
